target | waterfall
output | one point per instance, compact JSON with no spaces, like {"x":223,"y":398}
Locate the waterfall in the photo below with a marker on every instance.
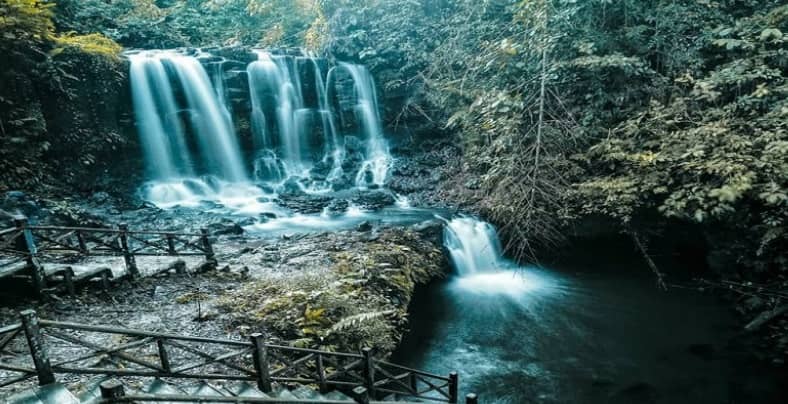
{"x":161,"y":132}
{"x":275,"y":77}
{"x":473,"y":246}
{"x":295,"y":105}
{"x":374,"y":169}
{"x":475,"y":252}
{"x":210,"y":119}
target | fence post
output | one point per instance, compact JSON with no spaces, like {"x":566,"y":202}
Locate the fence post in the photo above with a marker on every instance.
{"x":471,"y":399}
{"x":414,"y":383}
{"x":35,"y":342}
{"x":260,"y":357}
{"x":361,"y":395}
{"x":128,"y":257}
{"x":27,"y":244}
{"x":321,"y":374}
{"x":210,"y":257}
{"x":83,"y":246}
{"x":164,"y":357}
{"x":369,"y":370}
{"x":111,"y":389}
{"x":170,"y":244}
{"x":453,"y":387}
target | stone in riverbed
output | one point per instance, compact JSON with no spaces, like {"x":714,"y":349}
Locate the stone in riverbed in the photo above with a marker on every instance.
{"x":225,"y":227}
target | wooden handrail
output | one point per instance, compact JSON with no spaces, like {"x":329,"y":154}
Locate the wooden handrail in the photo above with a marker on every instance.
{"x":108,"y":230}
{"x":138,"y":333}
{"x":356,"y":371}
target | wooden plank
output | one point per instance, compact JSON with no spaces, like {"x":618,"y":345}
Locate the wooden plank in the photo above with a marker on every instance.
{"x":138,"y":333}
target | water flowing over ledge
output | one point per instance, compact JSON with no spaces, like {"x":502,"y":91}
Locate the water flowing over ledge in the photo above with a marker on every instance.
{"x":316,"y":129}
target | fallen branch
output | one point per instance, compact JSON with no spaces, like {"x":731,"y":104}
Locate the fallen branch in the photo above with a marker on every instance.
{"x":766,"y":317}
{"x":660,"y":276}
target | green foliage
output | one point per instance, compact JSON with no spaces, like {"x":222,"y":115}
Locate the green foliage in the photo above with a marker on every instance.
{"x":166,"y":24}
{"x":715,"y":153}
{"x":94,"y":44}
{"x":656,"y":111}
{"x":44,"y":125}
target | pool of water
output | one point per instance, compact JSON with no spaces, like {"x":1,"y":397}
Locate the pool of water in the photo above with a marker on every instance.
{"x":594,"y":332}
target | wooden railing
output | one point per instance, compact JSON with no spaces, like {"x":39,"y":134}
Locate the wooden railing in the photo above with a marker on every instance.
{"x":28,"y":245}
{"x":100,"y":350}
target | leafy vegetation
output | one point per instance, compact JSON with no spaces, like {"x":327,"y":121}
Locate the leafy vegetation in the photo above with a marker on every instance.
{"x":52,"y":121}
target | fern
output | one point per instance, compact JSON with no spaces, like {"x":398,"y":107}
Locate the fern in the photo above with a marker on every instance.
{"x":357,"y":319}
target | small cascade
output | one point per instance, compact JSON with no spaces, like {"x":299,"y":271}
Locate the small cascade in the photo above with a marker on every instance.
{"x":475,"y":252}
{"x":374,"y":169}
{"x":473,"y":246}
{"x":161,"y":132}
{"x":210,"y":120}
{"x":160,"y":126}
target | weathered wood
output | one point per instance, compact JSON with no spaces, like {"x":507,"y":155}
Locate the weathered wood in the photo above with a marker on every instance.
{"x":453,"y":387}
{"x":128,"y":257}
{"x":111,"y":389}
{"x":765,"y":317}
{"x":471,"y":399}
{"x":83,"y":246}
{"x":164,"y":357}
{"x":361,"y":395}
{"x":260,"y":357}
{"x":369,"y":370}
{"x":26,"y":244}
{"x":210,"y":257}
{"x":35,"y":342}
{"x":321,"y":375}
{"x":171,"y":244}
{"x":138,"y":333}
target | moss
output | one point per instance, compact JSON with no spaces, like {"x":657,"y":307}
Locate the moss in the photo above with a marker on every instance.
{"x":94,"y":44}
{"x":361,"y":298}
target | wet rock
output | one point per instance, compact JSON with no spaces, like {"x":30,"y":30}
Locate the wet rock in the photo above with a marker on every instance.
{"x":225,"y":227}
{"x":305,"y":203}
{"x":353,"y":144}
{"x":374,"y":200}
{"x":364,"y":226}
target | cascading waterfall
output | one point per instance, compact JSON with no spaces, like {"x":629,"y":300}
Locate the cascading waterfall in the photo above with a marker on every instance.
{"x":183,"y":106}
{"x":278,"y":79}
{"x":374,"y":169}
{"x":210,"y":119}
{"x":473,"y":246}
{"x":475,"y":252}
{"x":161,"y":133}
{"x":160,"y":127}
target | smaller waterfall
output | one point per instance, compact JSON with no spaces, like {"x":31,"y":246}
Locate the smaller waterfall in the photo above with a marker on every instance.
{"x":473,"y":246}
{"x":161,"y":133}
{"x":475,"y":252}
{"x":374,"y":169}
{"x":211,"y":119}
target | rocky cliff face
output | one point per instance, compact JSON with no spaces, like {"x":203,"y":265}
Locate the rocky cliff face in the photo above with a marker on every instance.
{"x":65,"y":120}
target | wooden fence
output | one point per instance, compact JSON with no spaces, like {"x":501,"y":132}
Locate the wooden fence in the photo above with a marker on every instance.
{"x":100,"y":350}
{"x":24,"y":247}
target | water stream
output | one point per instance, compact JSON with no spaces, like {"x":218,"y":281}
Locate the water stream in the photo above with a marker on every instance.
{"x":594,"y":330}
